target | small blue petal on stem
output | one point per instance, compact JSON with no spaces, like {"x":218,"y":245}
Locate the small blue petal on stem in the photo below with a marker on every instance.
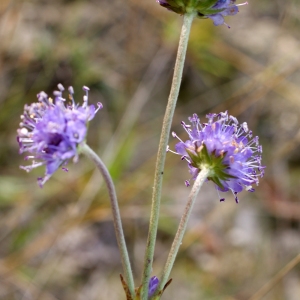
{"x":153,"y":284}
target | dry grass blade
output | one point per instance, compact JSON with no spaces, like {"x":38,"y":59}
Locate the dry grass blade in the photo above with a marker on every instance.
{"x":269,"y":285}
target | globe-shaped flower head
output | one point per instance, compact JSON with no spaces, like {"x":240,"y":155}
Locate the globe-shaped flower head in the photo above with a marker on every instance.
{"x":226,"y":148}
{"x":51,"y":131}
{"x":212,"y":9}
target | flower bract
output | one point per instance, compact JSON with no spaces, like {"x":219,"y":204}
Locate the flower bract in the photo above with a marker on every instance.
{"x":226,"y":148}
{"x":51,"y":130}
{"x":212,"y":9}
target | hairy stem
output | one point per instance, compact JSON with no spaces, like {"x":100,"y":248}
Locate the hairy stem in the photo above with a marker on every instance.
{"x":85,"y":149}
{"x":161,"y":155}
{"x":182,"y":227}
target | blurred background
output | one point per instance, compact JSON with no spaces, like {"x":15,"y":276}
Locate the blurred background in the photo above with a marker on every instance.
{"x":58,"y":243}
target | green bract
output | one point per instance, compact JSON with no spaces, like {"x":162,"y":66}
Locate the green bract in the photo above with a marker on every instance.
{"x":201,"y":158}
{"x":202,"y":7}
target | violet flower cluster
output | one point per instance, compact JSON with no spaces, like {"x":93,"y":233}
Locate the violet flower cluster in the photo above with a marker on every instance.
{"x":215,"y":10}
{"x":226,"y":148}
{"x":52,"y":130}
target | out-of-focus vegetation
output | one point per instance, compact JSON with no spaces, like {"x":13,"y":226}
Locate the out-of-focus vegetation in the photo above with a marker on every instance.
{"x":58,"y":242}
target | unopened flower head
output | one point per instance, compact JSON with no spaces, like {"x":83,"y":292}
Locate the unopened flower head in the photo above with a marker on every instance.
{"x":226,"y":148}
{"x":52,"y":130}
{"x":213,"y":9}
{"x":153,"y":284}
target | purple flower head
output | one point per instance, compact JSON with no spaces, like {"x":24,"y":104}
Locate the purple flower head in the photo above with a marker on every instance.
{"x":226,"y":148}
{"x":212,"y":9}
{"x":52,"y":130}
{"x":153,"y":284}
{"x":222,"y":9}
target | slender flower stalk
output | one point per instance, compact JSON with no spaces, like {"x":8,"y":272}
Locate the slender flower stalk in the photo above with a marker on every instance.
{"x":201,"y":178}
{"x":222,"y":151}
{"x":158,"y":177}
{"x":85,"y":149}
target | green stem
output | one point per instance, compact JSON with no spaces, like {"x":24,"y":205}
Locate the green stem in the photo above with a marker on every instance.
{"x":202,"y":176}
{"x":161,"y":155}
{"x":85,"y":149}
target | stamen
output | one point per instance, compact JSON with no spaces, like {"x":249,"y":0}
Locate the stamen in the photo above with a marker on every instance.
{"x":236,"y":198}
{"x":227,"y":25}
{"x":249,"y":188}
{"x":60,"y":87}
{"x":245,"y":127}
{"x":241,"y":4}
{"x":233,"y":119}
{"x":71,"y":90}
